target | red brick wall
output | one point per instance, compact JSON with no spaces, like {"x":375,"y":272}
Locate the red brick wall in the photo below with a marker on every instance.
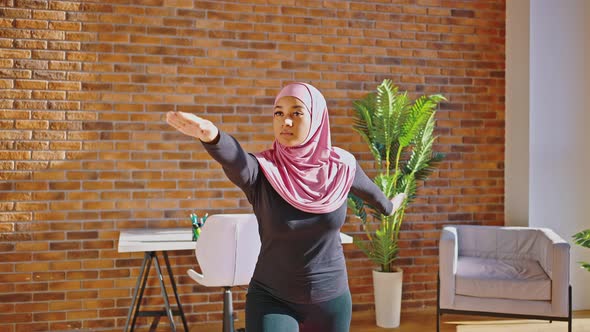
{"x":84,"y":150}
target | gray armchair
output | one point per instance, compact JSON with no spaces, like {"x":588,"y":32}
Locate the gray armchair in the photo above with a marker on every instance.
{"x":515,"y":272}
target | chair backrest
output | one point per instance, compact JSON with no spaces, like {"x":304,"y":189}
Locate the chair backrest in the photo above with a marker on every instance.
{"x":503,"y":242}
{"x":227,"y":249}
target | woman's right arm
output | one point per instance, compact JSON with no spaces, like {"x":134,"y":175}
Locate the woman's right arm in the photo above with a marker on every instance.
{"x":240,"y":167}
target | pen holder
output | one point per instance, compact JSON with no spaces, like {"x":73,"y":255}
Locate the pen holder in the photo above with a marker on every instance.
{"x":197,"y":223}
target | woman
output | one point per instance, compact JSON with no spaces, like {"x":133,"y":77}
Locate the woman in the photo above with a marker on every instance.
{"x":298,"y":191}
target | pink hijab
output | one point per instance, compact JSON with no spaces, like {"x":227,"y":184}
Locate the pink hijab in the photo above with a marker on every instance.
{"x":314,"y":176}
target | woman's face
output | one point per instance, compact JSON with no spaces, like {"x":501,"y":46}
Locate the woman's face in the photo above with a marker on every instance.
{"x":291,"y":121}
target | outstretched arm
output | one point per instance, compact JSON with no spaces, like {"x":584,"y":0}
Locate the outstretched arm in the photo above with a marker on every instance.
{"x":240,"y":167}
{"x":368,"y":191}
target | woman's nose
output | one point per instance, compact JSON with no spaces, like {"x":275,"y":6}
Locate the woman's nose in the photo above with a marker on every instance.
{"x":288,"y":122}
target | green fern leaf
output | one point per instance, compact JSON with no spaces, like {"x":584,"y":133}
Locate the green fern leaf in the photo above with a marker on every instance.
{"x":418,"y":115}
{"x":582,"y":238}
{"x":431,"y":164}
{"x":357,"y":206}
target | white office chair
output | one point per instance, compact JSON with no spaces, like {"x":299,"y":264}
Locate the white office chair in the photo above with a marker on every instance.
{"x":227,"y":251}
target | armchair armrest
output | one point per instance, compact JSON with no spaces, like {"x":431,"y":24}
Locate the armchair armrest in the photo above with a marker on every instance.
{"x":557,"y":267}
{"x":448,"y":255}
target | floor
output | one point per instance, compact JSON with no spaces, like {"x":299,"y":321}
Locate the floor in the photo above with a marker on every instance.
{"x":425,"y":321}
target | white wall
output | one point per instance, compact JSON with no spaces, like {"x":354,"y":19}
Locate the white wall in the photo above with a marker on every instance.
{"x":559,"y":121}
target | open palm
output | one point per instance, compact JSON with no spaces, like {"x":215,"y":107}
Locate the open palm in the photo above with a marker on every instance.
{"x":192,"y":125}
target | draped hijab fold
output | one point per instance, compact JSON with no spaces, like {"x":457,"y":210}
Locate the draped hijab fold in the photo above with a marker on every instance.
{"x":314,"y":176}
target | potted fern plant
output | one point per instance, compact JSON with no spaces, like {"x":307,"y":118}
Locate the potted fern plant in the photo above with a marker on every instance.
{"x":583,"y":239}
{"x":399,"y":133}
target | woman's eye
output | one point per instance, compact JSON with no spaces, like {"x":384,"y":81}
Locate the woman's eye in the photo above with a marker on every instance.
{"x":278,"y":113}
{"x":298,"y":113}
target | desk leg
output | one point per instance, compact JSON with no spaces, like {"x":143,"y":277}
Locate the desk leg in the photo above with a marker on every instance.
{"x":165,"y":295}
{"x":139,"y":288}
{"x":171,"y":276}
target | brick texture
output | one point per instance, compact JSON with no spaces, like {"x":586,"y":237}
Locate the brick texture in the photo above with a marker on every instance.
{"x":84,"y":150}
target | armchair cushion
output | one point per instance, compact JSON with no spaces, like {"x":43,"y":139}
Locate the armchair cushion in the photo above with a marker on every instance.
{"x":502,"y":278}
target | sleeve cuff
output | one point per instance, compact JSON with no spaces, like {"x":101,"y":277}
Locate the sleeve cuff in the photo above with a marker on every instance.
{"x":215,"y":140}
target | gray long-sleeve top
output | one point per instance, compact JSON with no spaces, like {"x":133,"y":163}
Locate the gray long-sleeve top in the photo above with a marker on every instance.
{"x":301,"y":258}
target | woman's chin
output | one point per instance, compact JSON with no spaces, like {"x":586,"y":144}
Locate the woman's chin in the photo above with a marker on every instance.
{"x":288,"y":143}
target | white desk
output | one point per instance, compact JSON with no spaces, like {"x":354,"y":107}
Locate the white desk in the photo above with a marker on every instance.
{"x":149,"y":241}
{"x":156,"y":239}
{"x":345,"y":238}
{"x":142,"y":240}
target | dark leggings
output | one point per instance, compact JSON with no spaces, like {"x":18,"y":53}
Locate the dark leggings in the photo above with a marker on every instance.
{"x":266,"y":313}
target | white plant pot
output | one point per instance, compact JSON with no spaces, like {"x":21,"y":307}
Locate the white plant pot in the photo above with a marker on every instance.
{"x":387,"y":287}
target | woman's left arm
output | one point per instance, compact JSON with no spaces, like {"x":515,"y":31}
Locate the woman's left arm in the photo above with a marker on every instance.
{"x":368,"y":191}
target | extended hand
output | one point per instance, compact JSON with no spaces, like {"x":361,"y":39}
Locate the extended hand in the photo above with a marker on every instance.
{"x":397,"y":201}
{"x":192,"y":125}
